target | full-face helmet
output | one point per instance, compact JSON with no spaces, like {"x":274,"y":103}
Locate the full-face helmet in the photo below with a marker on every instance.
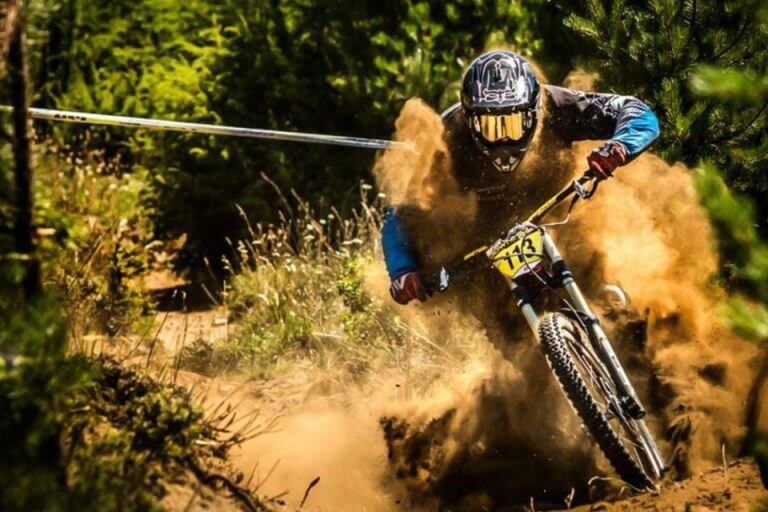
{"x":500,"y":96}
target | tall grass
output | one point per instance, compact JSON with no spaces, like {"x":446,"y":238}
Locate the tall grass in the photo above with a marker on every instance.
{"x":96,"y":240}
{"x":295,"y":286}
{"x":297,"y":290}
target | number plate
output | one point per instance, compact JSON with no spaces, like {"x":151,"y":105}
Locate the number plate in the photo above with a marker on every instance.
{"x":522,"y":255}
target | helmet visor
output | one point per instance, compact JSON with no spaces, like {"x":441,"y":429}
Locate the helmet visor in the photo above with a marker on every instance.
{"x":496,"y":128}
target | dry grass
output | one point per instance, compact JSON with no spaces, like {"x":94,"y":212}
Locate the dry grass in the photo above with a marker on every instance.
{"x":296,"y":291}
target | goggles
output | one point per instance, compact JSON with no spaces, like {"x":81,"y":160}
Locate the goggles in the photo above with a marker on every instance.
{"x":494,"y":128}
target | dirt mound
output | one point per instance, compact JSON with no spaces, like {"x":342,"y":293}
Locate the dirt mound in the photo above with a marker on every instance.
{"x":735,"y":487}
{"x":495,"y":446}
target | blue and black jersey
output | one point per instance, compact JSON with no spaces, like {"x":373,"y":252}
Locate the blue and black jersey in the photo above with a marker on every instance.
{"x":579,"y":115}
{"x":503,"y":199}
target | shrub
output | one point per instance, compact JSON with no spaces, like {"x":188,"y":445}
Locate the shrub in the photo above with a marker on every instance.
{"x":39,"y":386}
{"x":91,"y":434}
{"x":98,"y":241}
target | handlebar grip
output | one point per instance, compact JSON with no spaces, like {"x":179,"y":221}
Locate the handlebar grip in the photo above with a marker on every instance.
{"x":431,"y":282}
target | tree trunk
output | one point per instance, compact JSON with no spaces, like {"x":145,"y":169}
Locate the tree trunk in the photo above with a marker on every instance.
{"x":23,"y":229}
{"x":10,"y":15}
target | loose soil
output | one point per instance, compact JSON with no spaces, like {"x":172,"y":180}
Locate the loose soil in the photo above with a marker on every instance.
{"x":735,"y":487}
{"x":312,"y":429}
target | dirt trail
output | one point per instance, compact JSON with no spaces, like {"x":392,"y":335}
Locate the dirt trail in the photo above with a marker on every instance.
{"x":336,"y":436}
{"x":325,"y":431}
{"x":175,"y":330}
{"x":736,"y":488}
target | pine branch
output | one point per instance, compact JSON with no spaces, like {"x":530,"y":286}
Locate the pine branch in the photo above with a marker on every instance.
{"x":693,"y":27}
{"x":739,"y":131}
{"x":583,"y":26}
{"x":737,"y":39}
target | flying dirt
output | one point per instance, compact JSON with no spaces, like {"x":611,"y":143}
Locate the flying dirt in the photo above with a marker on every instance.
{"x":644,"y":231}
{"x":495,"y":431}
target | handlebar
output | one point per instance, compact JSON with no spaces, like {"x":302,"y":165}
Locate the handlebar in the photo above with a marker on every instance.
{"x":439,"y":281}
{"x":575,"y":187}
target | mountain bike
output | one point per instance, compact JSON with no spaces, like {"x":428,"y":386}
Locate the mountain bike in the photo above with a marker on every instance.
{"x":574,"y":344}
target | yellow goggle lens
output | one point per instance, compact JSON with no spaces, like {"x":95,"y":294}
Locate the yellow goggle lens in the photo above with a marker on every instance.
{"x":495,"y":128}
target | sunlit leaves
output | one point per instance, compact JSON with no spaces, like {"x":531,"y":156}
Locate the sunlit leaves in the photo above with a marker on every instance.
{"x":733,"y":85}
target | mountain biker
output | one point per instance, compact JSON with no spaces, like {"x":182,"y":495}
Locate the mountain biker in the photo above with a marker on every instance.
{"x":489,"y":136}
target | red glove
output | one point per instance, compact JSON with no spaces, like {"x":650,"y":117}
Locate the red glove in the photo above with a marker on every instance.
{"x":605,"y":159}
{"x":406,"y":287}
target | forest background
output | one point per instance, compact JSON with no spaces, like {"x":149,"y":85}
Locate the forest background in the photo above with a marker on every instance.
{"x":347,"y":67}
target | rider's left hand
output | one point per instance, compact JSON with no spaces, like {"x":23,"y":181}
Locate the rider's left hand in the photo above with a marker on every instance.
{"x":407,"y":287}
{"x":606,"y":159}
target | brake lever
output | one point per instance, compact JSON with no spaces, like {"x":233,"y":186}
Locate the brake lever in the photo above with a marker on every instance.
{"x":440,"y":280}
{"x":444,"y":280}
{"x":436,"y":282}
{"x":584,"y":192}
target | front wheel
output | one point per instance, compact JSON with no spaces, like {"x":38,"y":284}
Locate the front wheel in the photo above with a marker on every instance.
{"x":590,"y":389}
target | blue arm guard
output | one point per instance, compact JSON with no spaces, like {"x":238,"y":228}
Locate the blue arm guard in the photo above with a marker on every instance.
{"x":578,"y":115}
{"x":394,"y":241}
{"x":637,"y":128}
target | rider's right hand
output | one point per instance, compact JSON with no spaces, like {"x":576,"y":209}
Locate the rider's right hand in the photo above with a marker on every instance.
{"x":606,"y":159}
{"x":407,"y":287}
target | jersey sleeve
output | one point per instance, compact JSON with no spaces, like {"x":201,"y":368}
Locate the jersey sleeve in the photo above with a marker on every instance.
{"x":578,"y":115}
{"x":398,"y":256}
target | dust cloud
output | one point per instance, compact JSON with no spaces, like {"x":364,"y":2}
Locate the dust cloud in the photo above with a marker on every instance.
{"x":493,"y":429}
{"x":645,"y":231}
{"x":419,"y":174}
{"x":341,"y":445}
{"x":651,"y":236}
{"x":419,"y":180}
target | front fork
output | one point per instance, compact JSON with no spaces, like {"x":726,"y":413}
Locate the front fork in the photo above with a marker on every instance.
{"x":599,"y":339}
{"x":603,"y":348}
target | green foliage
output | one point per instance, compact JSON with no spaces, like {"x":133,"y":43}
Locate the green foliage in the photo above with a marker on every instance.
{"x":747,"y":319}
{"x":149,"y":58}
{"x":133,"y":435}
{"x":745,"y":258}
{"x":99,"y":242}
{"x":744,"y":253}
{"x":39,"y":385}
{"x":350,"y":285}
{"x":340,"y":67}
{"x":87,"y":434}
{"x":655,"y":48}
{"x":730,"y":85}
